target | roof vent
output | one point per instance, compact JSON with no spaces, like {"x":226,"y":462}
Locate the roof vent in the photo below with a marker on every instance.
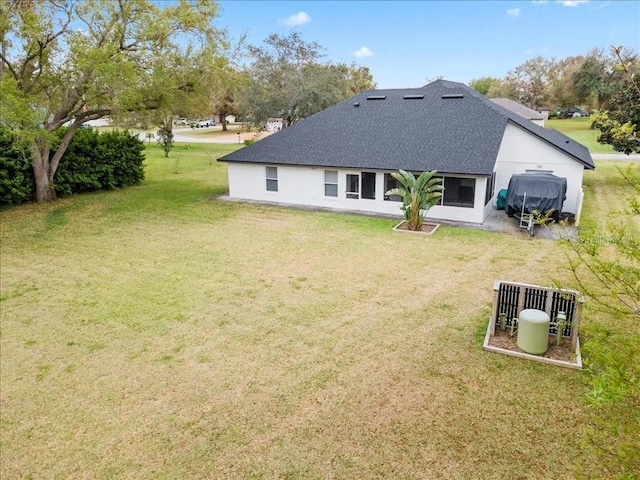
{"x":376,"y":97}
{"x":453,"y":95}
{"x":357,"y":104}
{"x":413,"y":97}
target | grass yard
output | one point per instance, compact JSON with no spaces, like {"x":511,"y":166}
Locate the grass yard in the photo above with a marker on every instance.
{"x":579,"y":129}
{"x":154,"y":333}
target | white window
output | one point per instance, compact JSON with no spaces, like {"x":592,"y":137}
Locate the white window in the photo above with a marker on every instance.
{"x":353,"y":186}
{"x":330,"y":183}
{"x":272,"y":179}
{"x":368,"y":182}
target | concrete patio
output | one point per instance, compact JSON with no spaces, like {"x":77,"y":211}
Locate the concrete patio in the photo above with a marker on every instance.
{"x":496,"y":221}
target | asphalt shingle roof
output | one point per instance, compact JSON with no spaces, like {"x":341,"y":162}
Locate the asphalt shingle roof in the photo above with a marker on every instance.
{"x":518,"y":108}
{"x":451,"y":135}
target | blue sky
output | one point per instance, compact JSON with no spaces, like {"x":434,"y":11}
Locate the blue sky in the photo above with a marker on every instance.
{"x":406,"y":43}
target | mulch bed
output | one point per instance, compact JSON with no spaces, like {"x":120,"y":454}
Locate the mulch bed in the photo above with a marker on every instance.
{"x":563,"y":352}
{"x":426,"y":227}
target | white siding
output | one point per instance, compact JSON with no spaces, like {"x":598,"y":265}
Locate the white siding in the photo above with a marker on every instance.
{"x":305,"y":186}
{"x":521,"y":151}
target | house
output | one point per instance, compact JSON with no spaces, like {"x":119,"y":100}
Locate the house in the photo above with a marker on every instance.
{"x":342,"y":157}
{"x":525,"y":112}
{"x":228,"y":118}
{"x":274,"y":124}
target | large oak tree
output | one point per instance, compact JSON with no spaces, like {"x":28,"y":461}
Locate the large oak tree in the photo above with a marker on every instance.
{"x":530,"y":81}
{"x":288,"y":79}
{"x":66,"y":62}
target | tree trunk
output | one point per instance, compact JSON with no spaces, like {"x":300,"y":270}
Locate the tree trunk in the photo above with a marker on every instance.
{"x":45,"y":168}
{"x":223,"y":122}
{"x":45,"y":190}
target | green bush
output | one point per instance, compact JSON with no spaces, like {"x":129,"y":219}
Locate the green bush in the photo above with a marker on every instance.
{"x":16,"y":174}
{"x":93,"y":161}
{"x":80,"y":168}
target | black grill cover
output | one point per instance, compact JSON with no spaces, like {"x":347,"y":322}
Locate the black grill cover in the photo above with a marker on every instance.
{"x":544,"y":191}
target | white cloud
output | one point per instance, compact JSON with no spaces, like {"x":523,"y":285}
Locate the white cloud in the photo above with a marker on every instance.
{"x":297,"y":19}
{"x":540,"y":2}
{"x":363,"y":52}
{"x":513,"y":12}
{"x":571,"y":3}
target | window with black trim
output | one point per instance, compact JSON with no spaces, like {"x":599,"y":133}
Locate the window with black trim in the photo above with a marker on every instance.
{"x":459,"y":192}
{"x":361,"y":185}
{"x":353,"y":185}
{"x":491,"y":188}
{"x":389,"y":183}
{"x":368,"y":185}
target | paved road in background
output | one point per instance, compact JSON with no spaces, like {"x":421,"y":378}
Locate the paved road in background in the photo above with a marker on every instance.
{"x":615,"y":156}
{"x":224,"y":138}
{"x":232,"y":137}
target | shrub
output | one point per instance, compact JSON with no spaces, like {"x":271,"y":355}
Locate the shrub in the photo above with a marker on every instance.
{"x":123,"y":152}
{"x":17,"y":183}
{"x":93,"y":161}
{"x":96,"y":161}
{"x":79,"y":169}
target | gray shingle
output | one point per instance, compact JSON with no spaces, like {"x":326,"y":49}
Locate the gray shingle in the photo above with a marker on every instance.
{"x":518,"y":108}
{"x":451,"y":135}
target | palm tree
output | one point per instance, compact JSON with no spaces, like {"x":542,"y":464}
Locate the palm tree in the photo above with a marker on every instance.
{"x":418,"y":195}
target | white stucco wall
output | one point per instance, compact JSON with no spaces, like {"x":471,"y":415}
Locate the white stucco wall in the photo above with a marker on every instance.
{"x":305,"y":186}
{"x":521,"y":151}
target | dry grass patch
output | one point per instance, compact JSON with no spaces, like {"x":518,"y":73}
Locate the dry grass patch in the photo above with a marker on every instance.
{"x":197,"y":339}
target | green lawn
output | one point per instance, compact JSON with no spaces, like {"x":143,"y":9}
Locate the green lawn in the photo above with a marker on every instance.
{"x":579,"y":129}
{"x":155,"y":332}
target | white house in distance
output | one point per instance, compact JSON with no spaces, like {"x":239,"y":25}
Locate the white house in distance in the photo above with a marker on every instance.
{"x":342,"y":157}
{"x":228,"y":118}
{"x":274,"y":124}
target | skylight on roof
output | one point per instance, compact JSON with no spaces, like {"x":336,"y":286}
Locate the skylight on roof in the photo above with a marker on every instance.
{"x":453,"y":95}
{"x":376,"y":97}
{"x":413,"y":97}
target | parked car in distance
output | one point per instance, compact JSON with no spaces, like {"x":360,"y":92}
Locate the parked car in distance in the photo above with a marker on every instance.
{"x":573,"y":112}
{"x":180,"y":121}
{"x":203,"y":124}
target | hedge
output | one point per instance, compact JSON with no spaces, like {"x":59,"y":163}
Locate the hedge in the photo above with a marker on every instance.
{"x":93,"y":161}
{"x":16,"y":174}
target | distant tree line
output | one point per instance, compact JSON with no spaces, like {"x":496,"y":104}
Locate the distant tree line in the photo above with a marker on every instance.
{"x":64,"y":63}
{"x":602,"y":81}
{"x":590,"y":81}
